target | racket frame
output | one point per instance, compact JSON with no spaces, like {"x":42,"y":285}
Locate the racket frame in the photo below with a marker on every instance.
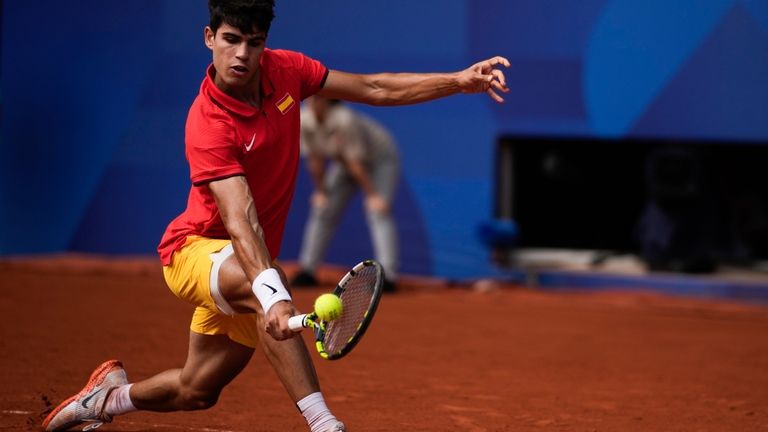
{"x":320,"y":327}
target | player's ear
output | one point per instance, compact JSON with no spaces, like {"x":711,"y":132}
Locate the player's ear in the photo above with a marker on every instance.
{"x":208,"y":37}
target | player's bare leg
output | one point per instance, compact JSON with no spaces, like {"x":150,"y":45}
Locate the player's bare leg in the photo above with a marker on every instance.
{"x":291,"y":361}
{"x":213,"y":361}
{"x":290,"y":358}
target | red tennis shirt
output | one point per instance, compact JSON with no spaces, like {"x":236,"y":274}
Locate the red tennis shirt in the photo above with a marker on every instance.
{"x":225,"y":137}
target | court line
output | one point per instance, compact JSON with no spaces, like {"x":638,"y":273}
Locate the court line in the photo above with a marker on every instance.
{"x":17,"y":412}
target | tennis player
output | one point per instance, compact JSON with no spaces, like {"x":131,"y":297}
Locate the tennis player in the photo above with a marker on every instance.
{"x":242,"y":144}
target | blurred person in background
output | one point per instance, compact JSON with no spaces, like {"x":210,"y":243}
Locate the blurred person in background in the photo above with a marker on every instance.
{"x":347,"y":151}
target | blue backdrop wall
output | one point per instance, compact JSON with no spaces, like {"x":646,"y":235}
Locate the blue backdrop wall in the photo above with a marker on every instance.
{"x":95,"y":94}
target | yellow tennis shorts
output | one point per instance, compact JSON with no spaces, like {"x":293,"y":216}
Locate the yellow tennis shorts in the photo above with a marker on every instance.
{"x":189,"y":278}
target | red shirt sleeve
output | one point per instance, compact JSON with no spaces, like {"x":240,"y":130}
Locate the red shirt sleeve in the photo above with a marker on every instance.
{"x":313,"y":75}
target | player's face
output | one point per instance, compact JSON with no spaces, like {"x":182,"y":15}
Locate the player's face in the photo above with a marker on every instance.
{"x":236,"y":56}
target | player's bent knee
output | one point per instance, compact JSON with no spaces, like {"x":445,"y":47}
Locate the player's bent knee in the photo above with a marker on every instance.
{"x":194,"y":400}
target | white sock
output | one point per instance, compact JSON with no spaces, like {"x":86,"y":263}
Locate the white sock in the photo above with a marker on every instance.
{"x":119,"y":401}
{"x":318,"y":416}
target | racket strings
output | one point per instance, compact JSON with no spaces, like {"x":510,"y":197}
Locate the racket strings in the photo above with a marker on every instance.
{"x":358,"y":292}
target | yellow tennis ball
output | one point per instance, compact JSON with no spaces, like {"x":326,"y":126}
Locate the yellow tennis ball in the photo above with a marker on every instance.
{"x":328,"y":307}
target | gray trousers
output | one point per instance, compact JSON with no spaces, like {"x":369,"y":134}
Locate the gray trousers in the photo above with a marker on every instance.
{"x":322,"y":223}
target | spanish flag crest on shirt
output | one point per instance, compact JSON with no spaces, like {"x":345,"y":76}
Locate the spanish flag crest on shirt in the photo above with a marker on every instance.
{"x":285,"y":103}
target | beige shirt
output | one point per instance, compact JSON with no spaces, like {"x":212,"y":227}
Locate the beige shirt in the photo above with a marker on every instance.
{"x":346,"y":134}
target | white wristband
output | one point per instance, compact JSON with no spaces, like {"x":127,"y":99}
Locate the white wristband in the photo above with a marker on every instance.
{"x":269,"y":289}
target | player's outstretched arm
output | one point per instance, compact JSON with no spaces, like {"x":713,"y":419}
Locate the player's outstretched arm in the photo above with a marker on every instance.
{"x":235,"y":204}
{"x":410,"y":88}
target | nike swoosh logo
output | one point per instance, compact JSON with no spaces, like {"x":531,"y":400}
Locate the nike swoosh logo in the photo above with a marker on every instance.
{"x":88,"y":399}
{"x":249,"y":146}
{"x":274,"y":291}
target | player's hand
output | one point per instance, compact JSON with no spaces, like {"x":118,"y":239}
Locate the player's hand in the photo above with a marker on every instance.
{"x":319,"y":200}
{"x":485,"y":77}
{"x":276,"y":321}
{"x":376,"y":203}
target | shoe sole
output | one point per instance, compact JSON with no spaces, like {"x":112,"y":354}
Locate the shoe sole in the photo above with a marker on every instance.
{"x":97,"y":376}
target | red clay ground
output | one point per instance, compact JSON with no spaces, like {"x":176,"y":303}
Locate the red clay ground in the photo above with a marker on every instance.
{"x":435,"y":359}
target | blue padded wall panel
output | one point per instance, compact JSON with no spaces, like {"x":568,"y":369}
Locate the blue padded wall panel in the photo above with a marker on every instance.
{"x":94,"y":103}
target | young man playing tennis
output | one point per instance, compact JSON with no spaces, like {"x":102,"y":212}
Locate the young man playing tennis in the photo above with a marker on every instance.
{"x":242,"y":143}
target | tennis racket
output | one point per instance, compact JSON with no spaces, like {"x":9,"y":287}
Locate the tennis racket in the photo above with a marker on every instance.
{"x":360,"y":291}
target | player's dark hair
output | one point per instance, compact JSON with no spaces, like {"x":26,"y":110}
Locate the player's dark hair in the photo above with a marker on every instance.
{"x":245,"y":15}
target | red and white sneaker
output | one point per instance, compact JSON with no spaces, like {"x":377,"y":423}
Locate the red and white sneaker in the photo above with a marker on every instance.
{"x":88,"y":405}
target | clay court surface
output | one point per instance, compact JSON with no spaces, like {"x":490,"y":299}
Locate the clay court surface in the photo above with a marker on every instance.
{"x":435,"y":359}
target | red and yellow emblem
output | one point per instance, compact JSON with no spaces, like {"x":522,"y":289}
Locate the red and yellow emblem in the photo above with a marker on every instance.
{"x":285,"y":104}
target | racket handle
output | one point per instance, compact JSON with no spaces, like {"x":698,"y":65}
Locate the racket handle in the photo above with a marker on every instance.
{"x":297,"y":322}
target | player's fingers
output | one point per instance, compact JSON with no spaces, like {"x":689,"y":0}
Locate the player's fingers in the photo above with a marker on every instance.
{"x":270,"y":331}
{"x":279,"y":334}
{"x":499,"y":60}
{"x":282,"y":325}
{"x":494,"y":95}
{"x":273,"y":329}
{"x":499,"y":76}
{"x":494,"y":61}
{"x":492,"y":81}
{"x":500,"y":86}
{"x":284,"y":334}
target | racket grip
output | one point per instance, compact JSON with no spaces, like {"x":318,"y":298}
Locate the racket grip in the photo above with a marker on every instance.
{"x":297,"y":322}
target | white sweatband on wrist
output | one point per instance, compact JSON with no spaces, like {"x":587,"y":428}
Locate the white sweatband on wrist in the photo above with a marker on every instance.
{"x":269,"y":289}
